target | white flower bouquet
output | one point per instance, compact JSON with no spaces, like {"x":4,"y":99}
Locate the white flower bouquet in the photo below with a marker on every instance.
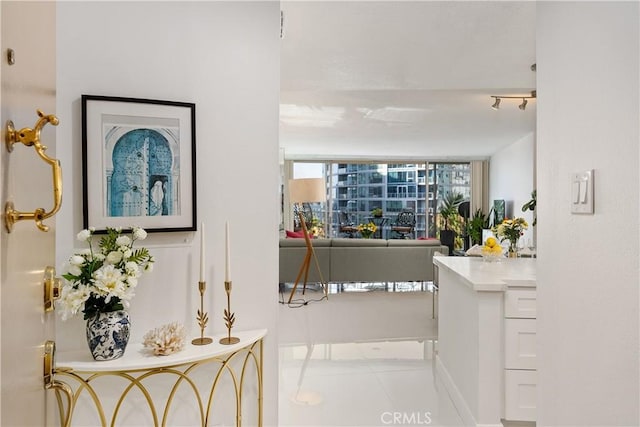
{"x":103,"y":279}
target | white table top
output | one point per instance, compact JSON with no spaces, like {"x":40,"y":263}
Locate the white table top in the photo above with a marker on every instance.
{"x":491,"y":276}
{"x":136,"y":357}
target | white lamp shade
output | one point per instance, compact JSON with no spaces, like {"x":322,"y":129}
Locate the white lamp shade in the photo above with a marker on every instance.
{"x":307,"y":190}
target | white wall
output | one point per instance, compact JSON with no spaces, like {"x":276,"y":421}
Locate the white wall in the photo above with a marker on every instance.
{"x":224,"y":57}
{"x":512,"y":178}
{"x":588,"y":113}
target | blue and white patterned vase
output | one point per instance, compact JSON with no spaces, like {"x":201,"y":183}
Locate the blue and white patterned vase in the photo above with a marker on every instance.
{"x":108,"y":334}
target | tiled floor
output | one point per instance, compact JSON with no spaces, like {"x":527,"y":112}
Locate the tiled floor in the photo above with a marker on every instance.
{"x":360,"y":359}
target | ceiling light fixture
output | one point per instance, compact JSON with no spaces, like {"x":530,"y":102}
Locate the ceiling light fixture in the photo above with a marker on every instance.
{"x":523,"y":105}
{"x":498,"y":98}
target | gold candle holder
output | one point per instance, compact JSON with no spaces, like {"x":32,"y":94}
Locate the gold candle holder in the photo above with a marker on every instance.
{"x":202,"y":318}
{"x":229,"y":317}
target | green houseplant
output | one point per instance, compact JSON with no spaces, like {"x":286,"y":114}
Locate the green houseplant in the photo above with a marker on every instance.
{"x":449,"y":220}
{"x":377,"y":212}
{"x":478,"y":222}
{"x":531,"y":206}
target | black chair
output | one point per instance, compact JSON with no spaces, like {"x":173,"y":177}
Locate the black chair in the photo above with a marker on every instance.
{"x":404,"y":224}
{"x":347,"y":226}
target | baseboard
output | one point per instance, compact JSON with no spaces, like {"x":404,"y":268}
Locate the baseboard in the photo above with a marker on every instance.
{"x":443,"y":378}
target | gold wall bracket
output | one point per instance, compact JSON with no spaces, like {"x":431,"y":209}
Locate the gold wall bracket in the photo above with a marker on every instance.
{"x":51,"y":288}
{"x":31,"y":137}
{"x":60,"y":388}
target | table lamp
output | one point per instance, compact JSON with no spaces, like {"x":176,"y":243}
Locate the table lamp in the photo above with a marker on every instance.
{"x":306,"y":190}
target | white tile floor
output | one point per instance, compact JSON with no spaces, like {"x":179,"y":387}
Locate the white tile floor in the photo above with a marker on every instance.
{"x":361,"y":359}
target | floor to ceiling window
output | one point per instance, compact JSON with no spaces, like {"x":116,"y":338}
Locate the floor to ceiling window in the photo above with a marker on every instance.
{"x":354,"y":190}
{"x":444,"y":179}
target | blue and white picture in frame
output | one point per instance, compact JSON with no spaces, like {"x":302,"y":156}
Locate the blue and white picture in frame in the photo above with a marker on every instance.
{"x":142,"y":176}
{"x":138,"y":163}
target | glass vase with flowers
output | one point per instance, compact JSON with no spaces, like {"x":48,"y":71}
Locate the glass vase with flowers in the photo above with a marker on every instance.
{"x":511,"y":230}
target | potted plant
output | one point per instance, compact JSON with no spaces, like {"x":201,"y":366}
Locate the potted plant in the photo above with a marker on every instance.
{"x":449,"y":219}
{"x":367,"y":230}
{"x":531,"y":206}
{"x":377,"y":212}
{"x":478,"y":222}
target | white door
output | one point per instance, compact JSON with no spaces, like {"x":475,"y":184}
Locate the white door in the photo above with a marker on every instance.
{"x":28,"y":29}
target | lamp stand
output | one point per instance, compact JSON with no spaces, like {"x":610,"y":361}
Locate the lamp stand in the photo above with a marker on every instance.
{"x":304,"y":268}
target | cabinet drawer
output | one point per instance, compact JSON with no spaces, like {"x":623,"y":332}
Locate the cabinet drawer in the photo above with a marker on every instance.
{"x":520,"y":395}
{"x":520,"y":343}
{"x":520,"y":303}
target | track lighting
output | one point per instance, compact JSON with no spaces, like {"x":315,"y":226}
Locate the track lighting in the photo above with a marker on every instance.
{"x":496,"y":104}
{"x":523,"y":105}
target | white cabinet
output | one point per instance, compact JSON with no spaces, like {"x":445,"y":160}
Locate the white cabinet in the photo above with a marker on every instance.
{"x":520,"y":375}
{"x":520,"y":395}
{"x":486,"y":359}
{"x":520,"y":304}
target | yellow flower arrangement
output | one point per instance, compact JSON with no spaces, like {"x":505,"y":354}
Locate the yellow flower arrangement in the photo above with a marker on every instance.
{"x":317,"y":228}
{"x":511,"y":229}
{"x":367,"y":230}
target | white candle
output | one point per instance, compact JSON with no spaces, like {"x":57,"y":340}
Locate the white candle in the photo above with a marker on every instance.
{"x":227,"y":258}
{"x":202,"y":252}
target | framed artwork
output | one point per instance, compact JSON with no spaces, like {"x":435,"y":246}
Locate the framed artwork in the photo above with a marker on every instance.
{"x":499,"y":211}
{"x":138,"y":164}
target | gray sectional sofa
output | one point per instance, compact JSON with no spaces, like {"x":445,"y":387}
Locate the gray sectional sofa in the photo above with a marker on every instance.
{"x":361,"y":260}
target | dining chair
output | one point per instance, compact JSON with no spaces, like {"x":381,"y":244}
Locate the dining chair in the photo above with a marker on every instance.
{"x":404,"y":224}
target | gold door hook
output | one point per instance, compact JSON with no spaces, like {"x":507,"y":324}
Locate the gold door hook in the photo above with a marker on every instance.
{"x":31,"y":137}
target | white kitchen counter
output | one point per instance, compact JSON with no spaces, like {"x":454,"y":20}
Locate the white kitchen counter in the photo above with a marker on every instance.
{"x":486,"y":337}
{"x":491,"y":276}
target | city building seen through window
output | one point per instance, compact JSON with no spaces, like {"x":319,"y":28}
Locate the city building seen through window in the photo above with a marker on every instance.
{"x":363,"y":193}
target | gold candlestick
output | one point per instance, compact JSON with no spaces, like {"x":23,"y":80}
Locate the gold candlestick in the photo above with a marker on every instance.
{"x":229,"y":317}
{"x":202,"y":318}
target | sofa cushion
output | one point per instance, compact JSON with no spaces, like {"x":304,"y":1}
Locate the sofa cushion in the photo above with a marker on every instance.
{"x":409,"y":242}
{"x":317,"y":243}
{"x":359,"y":243}
{"x":294,"y":234}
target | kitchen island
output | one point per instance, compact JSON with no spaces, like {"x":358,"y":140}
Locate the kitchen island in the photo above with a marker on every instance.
{"x":486,"y":338}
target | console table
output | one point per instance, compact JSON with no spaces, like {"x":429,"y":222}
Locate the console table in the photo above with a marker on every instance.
{"x":194,"y":374}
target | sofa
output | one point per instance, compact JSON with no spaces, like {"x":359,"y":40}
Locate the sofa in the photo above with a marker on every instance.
{"x":361,"y":260}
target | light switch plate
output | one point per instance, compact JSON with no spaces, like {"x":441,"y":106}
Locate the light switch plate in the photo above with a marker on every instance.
{"x":582,"y":192}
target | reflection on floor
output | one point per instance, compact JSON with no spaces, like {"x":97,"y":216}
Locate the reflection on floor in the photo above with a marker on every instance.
{"x":336,"y":288}
{"x":360,"y":359}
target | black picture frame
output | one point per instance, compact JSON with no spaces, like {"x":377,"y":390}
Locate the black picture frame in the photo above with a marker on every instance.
{"x":138,"y":164}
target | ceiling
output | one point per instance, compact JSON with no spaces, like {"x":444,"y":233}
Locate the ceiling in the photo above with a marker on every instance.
{"x":404,"y":80}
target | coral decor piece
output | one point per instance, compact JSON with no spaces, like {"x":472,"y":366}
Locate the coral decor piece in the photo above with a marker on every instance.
{"x":165,"y":340}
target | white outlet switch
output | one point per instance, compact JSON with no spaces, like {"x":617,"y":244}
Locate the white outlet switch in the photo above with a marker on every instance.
{"x":582,"y":192}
